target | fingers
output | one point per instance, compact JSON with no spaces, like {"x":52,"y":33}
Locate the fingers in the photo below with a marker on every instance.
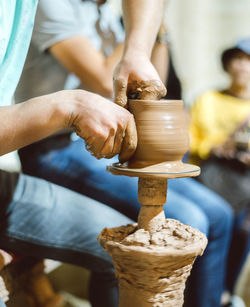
{"x":123,"y":142}
{"x":146,"y":90}
{"x":113,"y":144}
{"x":94,"y":145}
{"x":107,"y":150}
{"x":107,"y":147}
{"x":129,"y":142}
{"x":118,"y":140}
{"x":120,"y":91}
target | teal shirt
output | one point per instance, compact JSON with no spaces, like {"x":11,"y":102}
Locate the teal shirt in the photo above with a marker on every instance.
{"x":16,"y":25}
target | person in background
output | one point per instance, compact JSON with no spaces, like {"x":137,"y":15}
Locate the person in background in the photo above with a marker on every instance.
{"x":220,"y":140}
{"x":40,"y":218}
{"x":80,"y":46}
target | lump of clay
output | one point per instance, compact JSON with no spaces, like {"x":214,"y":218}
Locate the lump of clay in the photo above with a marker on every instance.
{"x":150,"y":90}
{"x":140,"y":238}
{"x":152,"y":268}
{"x":173,"y":235}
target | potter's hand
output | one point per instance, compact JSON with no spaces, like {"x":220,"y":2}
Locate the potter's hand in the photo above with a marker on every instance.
{"x":106,"y":128}
{"x":135,"y":77}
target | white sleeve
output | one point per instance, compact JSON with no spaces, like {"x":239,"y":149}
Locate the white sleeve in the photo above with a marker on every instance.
{"x":55,"y":21}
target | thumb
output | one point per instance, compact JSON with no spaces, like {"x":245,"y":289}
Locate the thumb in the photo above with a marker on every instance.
{"x":120,"y":91}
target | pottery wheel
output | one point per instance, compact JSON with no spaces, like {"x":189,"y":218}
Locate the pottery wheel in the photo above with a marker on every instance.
{"x":168,"y":169}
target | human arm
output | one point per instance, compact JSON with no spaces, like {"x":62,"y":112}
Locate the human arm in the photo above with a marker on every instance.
{"x":80,"y":57}
{"x":105,"y":127}
{"x":94,"y":69}
{"x":160,"y":53}
{"x":229,"y":150}
{"x":142,"y":20}
{"x":237,"y":144}
{"x":72,"y":32}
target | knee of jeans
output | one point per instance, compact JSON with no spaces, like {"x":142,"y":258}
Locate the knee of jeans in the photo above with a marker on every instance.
{"x":199,"y":220}
{"x":242,"y":222}
{"x":190,"y":214}
{"x":223,"y":217}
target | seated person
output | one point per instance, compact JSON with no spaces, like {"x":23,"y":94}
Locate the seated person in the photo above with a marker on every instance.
{"x":73,"y":41}
{"x":220,"y":138}
{"x":41,"y":219}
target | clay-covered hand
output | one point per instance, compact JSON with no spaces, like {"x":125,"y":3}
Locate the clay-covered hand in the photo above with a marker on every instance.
{"x":135,"y":77}
{"x":244,"y":157}
{"x":226,"y":150}
{"x":106,"y":128}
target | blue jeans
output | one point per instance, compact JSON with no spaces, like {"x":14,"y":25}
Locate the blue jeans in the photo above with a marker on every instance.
{"x":48,"y":221}
{"x":240,"y":247}
{"x":188,"y":201}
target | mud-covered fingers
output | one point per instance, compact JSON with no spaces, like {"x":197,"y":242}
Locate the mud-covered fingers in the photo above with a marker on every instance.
{"x":107,"y":150}
{"x":129,"y":141}
{"x":114,"y":142}
{"x":95,"y":144}
{"x":160,"y":89}
{"x":120,"y":91}
{"x":119,"y":139}
{"x":149,"y":89}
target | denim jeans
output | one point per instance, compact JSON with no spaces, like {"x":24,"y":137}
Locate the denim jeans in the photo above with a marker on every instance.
{"x":240,"y":247}
{"x":188,"y":201}
{"x":48,"y":221}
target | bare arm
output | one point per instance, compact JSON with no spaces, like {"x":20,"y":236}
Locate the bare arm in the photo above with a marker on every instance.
{"x":160,"y":60}
{"x":28,"y":122}
{"x":142,"y":19}
{"x":107,"y":128}
{"x":95,"y":71}
{"x":160,"y":53}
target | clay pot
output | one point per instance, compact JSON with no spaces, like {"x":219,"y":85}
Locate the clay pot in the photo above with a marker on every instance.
{"x":162,"y":132}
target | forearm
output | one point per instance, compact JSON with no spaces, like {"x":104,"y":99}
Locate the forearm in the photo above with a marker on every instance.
{"x":160,"y":60}
{"x":113,"y":60}
{"x":30,"y":121}
{"x":101,"y":80}
{"x":93,"y":69}
{"x":142,"y":19}
{"x":106,"y":128}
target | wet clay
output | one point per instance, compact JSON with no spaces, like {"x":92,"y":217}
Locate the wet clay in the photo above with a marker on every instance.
{"x":150,"y":90}
{"x":152,"y":268}
{"x":162,"y":132}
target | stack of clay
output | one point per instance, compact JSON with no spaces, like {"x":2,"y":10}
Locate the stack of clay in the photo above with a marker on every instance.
{"x":152,"y":268}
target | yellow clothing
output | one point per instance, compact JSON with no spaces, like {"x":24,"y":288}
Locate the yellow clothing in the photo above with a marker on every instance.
{"x":214,"y":117}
